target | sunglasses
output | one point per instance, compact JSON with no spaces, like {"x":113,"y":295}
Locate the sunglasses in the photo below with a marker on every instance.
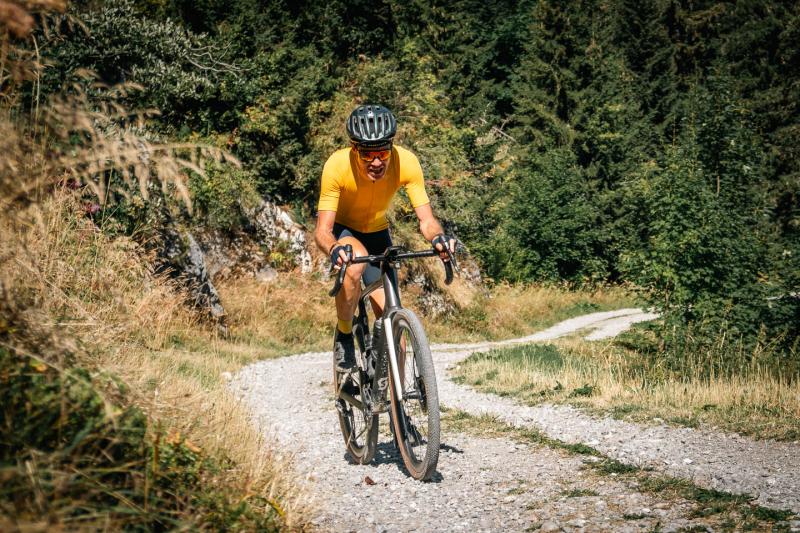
{"x":369,"y":155}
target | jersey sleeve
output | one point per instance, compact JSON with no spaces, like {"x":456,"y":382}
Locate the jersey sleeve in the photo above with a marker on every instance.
{"x":414,"y":182}
{"x":330,"y":187}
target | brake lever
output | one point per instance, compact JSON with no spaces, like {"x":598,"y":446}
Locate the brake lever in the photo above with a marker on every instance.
{"x":450,"y":265}
{"x":348,"y":250}
{"x":452,"y":257}
{"x":448,"y":273}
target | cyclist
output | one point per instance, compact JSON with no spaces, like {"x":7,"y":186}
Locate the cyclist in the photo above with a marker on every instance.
{"x":358,"y":184}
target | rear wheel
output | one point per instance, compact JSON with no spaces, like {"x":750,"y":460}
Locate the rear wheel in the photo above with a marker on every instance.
{"x":415,"y":409}
{"x":359,"y":429}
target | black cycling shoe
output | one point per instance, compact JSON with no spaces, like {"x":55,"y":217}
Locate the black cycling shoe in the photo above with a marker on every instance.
{"x":344,"y":352}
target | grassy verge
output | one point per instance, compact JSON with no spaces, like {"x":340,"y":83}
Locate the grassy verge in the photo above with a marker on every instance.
{"x":114,"y":407}
{"x":732,"y":512}
{"x":508,"y":311}
{"x":609,"y":377}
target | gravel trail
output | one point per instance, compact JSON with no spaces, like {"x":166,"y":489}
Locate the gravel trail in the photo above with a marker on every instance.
{"x":489,"y":484}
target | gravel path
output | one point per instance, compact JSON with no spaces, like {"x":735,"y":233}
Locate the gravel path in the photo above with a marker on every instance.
{"x":489,"y":484}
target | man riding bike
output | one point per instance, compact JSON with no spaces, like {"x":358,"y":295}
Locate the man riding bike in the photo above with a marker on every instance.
{"x":358,"y":184}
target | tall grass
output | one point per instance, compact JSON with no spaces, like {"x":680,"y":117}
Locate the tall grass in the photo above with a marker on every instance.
{"x":610,"y":378}
{"x":101,"y":425}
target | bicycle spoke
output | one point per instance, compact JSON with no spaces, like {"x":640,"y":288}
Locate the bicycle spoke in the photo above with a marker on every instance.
{"x":361,"y":433}
{"x":415,"y":414}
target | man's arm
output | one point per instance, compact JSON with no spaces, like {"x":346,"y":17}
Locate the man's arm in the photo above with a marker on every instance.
{"x":430,"y":228}
{"x":323,"y":233}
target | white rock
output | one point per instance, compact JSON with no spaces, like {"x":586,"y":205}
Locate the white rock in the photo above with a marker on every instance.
{"x":548,"y":526}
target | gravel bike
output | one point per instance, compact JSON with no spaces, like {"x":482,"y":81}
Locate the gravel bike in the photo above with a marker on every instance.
{"x":395,"y":358}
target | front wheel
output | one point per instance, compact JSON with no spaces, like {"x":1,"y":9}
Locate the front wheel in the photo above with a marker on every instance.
{"x":415,"y":409}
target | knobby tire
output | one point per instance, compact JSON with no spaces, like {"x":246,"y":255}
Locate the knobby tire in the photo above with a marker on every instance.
{"x":421,"y":406}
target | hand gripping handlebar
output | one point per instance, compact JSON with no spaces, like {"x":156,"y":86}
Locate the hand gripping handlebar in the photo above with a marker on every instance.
{"x":348,"y":250}
{"x":393,"y":256}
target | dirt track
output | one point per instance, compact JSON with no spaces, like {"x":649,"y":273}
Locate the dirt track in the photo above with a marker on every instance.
{"x":495,"y":483}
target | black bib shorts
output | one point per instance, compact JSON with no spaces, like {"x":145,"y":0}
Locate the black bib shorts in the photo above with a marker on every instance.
{"x":375,"y":243}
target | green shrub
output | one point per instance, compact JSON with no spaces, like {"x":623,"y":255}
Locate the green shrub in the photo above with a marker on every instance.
{"x":73,"y":454}
{"x":705,"y":260}
{"x":181,"y":73}
{"x":223,"y":196}
{"x":548,"y":224}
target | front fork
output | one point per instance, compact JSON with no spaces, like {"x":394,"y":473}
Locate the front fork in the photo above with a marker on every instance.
{"x":395,"y":371}
{"x":393,"y":363}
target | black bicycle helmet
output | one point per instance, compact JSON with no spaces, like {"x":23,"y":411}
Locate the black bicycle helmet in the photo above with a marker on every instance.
{"x":371,"y":126}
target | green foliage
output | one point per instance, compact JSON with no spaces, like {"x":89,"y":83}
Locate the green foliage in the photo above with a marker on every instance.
{"x":547,"y":228}
{"x":705,"y":256}
{"x":72,"y":452}
{"x":224,"y":196}
{"x":650,"y":142}
{"x":180,"y":73}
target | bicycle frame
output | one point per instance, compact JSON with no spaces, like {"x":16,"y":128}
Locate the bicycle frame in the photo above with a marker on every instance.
{"x":391,"y":305}
{"x":389,"y":261}
{"x":380,"y":366}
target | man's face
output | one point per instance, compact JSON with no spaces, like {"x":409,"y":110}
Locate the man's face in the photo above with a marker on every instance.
{"x":374,"y":162}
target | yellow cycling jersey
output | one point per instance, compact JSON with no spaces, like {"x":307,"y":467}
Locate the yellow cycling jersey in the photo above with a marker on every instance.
{"x":361,"y":203}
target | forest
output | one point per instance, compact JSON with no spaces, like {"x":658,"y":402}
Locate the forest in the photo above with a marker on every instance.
{"x":645,"y":143}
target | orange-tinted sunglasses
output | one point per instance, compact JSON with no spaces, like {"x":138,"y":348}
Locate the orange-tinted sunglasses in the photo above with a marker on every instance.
{"x":369,"y":155}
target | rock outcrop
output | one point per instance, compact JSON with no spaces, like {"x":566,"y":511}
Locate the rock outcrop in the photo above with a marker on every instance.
{"x":182,"y":258}
{"x":275,"y":230}
{"x":271,"y":241}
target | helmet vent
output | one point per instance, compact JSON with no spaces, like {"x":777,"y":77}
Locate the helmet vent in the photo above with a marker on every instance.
{"x":371,"y":125}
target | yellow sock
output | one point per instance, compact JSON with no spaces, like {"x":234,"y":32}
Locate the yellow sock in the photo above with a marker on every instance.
{"x":345,"y":326}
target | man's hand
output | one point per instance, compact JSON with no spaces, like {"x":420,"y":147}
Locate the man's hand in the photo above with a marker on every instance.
{"x":442,"y":244}
{"x":338,"y":256}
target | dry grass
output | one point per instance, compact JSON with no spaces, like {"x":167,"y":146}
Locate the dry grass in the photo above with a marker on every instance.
{"x":291,"y":314}
{"x":95,"y":297}
{"x":610,"y":379}
{"x":72,"y":297}
{"x":515,"y":310}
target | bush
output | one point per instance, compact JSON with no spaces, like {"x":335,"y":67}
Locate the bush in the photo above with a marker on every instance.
{"x":548,"y":230}
{"x":181,"y":74}
{"x":701,"y":266}
{"x":74,"y":453}
{"x":222,"y":197}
